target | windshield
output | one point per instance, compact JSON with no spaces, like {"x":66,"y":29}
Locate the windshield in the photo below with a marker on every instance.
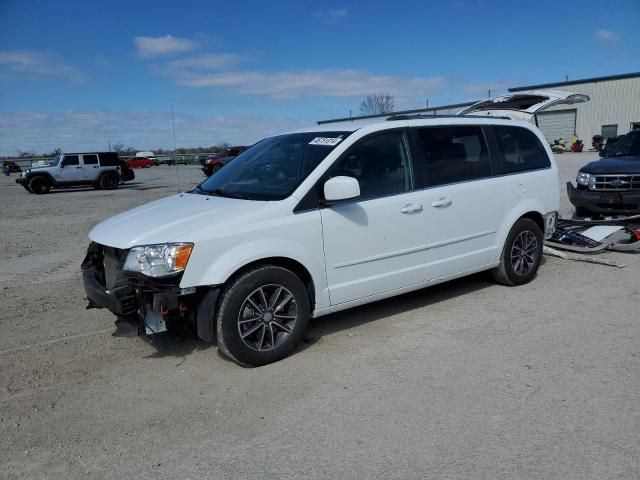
{"x":55,"y":160}
{"x":273,"y":168}
{"x":628,"y":145}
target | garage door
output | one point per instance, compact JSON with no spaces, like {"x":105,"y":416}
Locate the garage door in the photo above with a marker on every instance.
{"x":558,"y":124}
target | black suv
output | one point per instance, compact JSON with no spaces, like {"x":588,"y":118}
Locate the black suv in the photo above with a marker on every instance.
{"x":611,"y":185}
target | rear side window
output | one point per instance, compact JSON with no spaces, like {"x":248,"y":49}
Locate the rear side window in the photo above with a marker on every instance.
{"x":452,"y":154}
{"x":519,"y":150}
{"x":90,"y":159}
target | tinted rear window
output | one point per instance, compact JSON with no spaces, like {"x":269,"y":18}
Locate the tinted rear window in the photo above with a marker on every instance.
{"x":519,"y":150}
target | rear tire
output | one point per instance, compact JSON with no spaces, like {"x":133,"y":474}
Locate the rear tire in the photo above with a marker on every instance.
{"x":262,"y":316}
{"x":109,"y":181}
{"x":521,"y":254}
{"x":39,"y":185}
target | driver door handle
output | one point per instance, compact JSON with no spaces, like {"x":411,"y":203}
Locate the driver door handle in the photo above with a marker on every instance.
{"x":411,"y":208}
{"x":78,"y":168}
{"x":442,"y":202}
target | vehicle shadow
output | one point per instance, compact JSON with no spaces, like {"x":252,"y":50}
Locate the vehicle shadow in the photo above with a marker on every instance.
{"x":126,"y":186}
{"x":372,"y":312}
{"x":181,"y":344}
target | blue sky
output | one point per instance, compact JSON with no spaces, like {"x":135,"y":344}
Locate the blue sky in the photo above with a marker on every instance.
{"x":78,"y":74}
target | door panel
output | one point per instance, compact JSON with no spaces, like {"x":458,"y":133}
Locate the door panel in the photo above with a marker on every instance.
{"x":72,"y":171}
{"x":373,"y":246}
{"x":375,"y":243}
{"x":464,"y":205}
{"x":462,"y":235}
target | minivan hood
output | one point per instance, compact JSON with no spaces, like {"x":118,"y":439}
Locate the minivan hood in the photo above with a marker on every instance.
{"x":166,"y":219}
{"x":611,"y":165}
{"x":523,"y":105}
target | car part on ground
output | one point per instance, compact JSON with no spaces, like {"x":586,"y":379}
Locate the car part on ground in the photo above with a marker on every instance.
{"x":595,"y":236}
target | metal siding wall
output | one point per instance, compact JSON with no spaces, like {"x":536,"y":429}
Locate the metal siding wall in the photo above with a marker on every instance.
{"x":613,"y":102}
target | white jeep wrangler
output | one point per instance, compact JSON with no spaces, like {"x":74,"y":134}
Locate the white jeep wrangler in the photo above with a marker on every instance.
{"x":101,"y":170}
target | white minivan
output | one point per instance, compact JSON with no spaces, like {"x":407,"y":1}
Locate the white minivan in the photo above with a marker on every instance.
{"x":320,"y":220}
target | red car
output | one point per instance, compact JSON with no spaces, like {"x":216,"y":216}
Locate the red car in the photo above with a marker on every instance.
{"x":139,"y":162}
{"x":215,"y":162}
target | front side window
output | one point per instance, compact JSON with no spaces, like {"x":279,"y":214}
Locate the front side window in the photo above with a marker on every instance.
{"x":71,"y":160}
{"x":273,"y":168}
{"x":380,"y":164}
{"x":519,"y":150}
{"x":452,"y":154}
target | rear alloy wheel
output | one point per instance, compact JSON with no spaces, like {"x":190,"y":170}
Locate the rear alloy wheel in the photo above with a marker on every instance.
{"x":521,"y":254}
{"x":109,"y":181}
{"x":39,"y":185}
{"x":262,"y":316}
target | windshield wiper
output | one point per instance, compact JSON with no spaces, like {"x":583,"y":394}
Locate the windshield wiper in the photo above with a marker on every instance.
{"x":223,"y":193}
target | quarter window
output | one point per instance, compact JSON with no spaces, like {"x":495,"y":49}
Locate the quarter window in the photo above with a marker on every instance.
{"x":519,"y":150}
{"x":380,"y":164}
{"x":452,"y":154}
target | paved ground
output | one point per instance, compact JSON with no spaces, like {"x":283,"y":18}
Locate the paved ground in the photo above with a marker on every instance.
{"x":464,"y":380}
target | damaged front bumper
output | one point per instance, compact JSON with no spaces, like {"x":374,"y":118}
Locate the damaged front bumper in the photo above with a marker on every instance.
{"x":154,"y":305}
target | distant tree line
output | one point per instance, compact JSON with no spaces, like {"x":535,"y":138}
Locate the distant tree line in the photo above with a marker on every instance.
{"x":120,"y":149}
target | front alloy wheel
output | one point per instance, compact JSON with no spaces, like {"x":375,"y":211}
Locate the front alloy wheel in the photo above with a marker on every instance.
{"x":262,"y":316}
{"x":267,"y":317}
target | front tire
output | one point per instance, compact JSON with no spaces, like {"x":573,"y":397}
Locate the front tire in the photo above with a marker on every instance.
{"x":39,"y":185}
{"x":521,"y":254}
{"x":262,"y":316}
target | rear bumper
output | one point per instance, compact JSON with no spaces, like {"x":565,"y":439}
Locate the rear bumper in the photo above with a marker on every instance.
{"x":604,"y":202}
{"x":21,"y":180}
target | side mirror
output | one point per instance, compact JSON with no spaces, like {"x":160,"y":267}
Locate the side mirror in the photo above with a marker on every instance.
{"x":341,"y":188}
{"x":62,"y":164}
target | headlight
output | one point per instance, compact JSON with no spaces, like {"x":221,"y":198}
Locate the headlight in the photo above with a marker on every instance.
{"x":583,"y":178}
{"x":158,"y":260}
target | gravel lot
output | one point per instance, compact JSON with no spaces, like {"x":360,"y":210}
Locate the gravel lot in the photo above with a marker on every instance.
{"x":466,"y":380}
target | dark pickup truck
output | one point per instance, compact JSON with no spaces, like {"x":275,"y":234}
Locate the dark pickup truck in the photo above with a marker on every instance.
{"x":611,"y":185}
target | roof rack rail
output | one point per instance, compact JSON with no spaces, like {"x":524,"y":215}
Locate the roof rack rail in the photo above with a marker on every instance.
{"x":422,"y":116}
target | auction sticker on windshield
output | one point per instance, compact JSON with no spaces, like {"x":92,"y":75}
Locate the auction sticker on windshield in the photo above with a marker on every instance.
{"x":330,"y":142}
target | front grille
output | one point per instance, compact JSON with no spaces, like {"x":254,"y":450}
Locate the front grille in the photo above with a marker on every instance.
{"x":614,"y":183}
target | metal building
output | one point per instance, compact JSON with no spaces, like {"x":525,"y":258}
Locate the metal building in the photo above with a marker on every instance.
{"x":614,"y":109}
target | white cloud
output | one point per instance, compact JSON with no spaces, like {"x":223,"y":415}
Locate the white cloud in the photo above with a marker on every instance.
{"x":93,"y":130}
{"x":157,"y":46}
{"x":36,"y":64}
{"x":607,"y":36}
{"x":321,"y":83}
{"x":333,"y":15}
{"x":210,"y":61}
